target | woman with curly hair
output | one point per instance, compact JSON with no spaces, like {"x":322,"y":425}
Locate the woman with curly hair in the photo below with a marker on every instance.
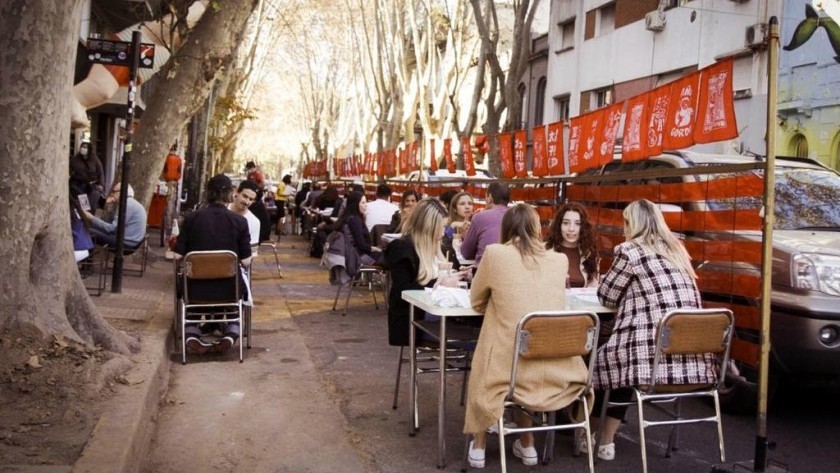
{"x":571,"y":233}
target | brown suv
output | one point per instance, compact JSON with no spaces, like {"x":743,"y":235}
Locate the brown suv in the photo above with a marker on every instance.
{"x":805,"y":319}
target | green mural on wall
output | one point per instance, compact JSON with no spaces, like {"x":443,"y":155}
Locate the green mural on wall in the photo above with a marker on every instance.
{"x":807,"y":27}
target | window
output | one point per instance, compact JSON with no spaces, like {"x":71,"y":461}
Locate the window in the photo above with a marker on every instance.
{"x":522,"y":116}
{"x":799,"y":146}
{"x":602,"y":98}
{"x":539,"y":106}
{"x":561,"y":106}
{"x":567,"y":35}
{"x":605,"y":20}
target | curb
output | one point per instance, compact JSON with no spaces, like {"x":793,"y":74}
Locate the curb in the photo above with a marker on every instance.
{"x":121,"y":438}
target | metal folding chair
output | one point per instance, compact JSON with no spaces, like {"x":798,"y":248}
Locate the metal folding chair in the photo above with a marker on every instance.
{"x":269,"y":244}
{"x":369,"y":276}
{"x":549,"y":335}
{"x":220,"y":268}
{"x":683,"y":332}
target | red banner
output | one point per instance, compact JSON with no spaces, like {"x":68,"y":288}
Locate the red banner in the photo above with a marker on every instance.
{"x":447,"y":154}
{"x":682,"y":113}
{"x":540,"y":166}
{"x":554,"y":149}
{"x":716,"y":109}
{"x":609,"y":131}
{"x":633,"y":145}
{"x":590,"y":143}
{"x":380,"y":163}
{"x":413,"y":163}
{"x":658,"y":100}
{"x":433,"y":165}
{"x":357,"y":165}
{"x":520,"y":153}
{"x":505,"y":155}
{"x":469,"y":162}
{"x":575,"y":135}
{"x":404,"y":163}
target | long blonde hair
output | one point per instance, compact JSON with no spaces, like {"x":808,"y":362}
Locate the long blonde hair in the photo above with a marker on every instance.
{"x":521,"y":229}
{"x":424,"y":228}
{"x":645,"y":225}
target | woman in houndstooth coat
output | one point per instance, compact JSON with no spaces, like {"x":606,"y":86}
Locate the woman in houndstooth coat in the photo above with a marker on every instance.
{"x":651,"y":275}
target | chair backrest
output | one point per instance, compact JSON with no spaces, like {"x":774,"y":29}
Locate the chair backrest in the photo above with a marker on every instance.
{"x":210,"y":276}
{"x":555,"y":335}
{"x":377,"y":231}
{"x":695,"y":332}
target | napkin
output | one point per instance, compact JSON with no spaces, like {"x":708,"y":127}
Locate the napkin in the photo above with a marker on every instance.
{"x":448,"y":297}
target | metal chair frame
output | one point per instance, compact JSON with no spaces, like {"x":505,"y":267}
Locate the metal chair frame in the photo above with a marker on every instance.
{"x":716,"y":340}
{"x":230,"y":310}
{"x":364,"y":276}
{"x":530,"y":342}
{"x":142,"y":248}
{"x":273,"y":246}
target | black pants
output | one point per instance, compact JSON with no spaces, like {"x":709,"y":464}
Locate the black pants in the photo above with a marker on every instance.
{"x":616,"y":395}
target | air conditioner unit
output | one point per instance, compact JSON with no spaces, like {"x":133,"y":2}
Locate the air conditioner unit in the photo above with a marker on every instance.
{"x":755,"y":36}
{"x":655,"y":21}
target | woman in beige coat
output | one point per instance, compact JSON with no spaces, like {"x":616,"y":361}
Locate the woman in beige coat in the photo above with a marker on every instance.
{"x":516,"y":277}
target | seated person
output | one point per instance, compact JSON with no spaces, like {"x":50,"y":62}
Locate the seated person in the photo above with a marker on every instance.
{"x":82,"y":241}
{"x":413,"y":264}
{"x":571,"y":233}
{"x":651,"y":257}
{"x":407,"y":202}
{"x":104,"y":231}
{"x":534,"y":280}
{"x":245,"y":196}
{"x":460,"y":212}
{"x":211,"y":228}
{"x":379,"y":211}
{"x":354,"y":219}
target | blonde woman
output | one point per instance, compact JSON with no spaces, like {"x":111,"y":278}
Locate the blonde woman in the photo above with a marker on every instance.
{"x":533,"y":279}
{"x":413,"y":261}
{"x":651,"y":274}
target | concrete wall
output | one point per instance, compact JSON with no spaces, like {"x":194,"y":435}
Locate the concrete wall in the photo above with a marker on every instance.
{"x":632,"y":58}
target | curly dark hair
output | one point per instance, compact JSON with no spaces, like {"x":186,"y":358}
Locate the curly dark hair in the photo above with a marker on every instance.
{"x":586,"y":244}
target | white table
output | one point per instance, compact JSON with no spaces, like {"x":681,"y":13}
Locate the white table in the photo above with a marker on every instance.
{"x":422,"y":299}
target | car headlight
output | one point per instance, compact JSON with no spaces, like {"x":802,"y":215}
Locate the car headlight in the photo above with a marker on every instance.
{"x":816,"y":272}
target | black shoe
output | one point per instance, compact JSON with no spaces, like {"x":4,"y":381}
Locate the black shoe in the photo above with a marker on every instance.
{"x":197,"y":346}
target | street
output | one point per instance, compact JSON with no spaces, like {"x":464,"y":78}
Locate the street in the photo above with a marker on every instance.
{"x":315,"y":393}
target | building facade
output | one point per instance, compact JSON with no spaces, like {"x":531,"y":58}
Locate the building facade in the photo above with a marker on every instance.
{"x":606,"y":51}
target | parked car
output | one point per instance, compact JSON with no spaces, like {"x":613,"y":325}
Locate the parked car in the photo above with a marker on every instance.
{"x":805,"y":308}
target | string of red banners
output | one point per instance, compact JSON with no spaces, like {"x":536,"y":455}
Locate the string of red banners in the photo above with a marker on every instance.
{"x":698,"y":108}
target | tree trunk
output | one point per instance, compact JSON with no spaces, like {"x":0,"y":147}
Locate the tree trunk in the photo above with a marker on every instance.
{"x":41,"y":288}
{"x":183,"y":85}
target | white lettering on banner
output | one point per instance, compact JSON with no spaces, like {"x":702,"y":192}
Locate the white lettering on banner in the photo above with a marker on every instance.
{"x":634,"y":131}
{"x":715,"y":112}
{"x":657,"y":121}
{"x":610,"y":132}
{"x":552,"y":143}
{"x":590,"y":141}
{"x":519,"y":155}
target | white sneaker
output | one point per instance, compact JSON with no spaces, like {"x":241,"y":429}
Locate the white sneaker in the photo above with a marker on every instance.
{"x":606,"y":452}
{"x":528,"y":455}
{"x":476,"y":456}
{"x":581,"y":445}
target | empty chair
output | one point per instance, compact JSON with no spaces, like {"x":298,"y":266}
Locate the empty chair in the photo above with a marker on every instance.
{"x":553,"y":337}
{"x":210,"y":291}
{"x":683,"y":332}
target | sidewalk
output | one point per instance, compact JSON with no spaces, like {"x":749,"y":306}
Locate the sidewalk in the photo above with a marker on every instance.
{"x":143,"y":429}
